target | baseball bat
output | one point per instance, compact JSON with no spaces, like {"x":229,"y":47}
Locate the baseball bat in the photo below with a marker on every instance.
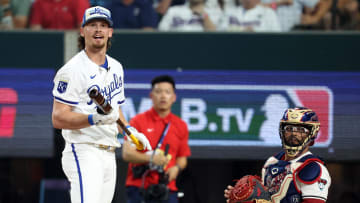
{"x":100,"y":101}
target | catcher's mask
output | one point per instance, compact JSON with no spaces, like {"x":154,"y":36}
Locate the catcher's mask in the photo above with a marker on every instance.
{"x":302,"y":120}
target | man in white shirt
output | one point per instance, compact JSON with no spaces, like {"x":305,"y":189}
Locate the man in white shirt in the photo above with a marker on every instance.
{"x":289,"y":12}
{"x":88,"y":159}
{"x":192,"y":16}
{"x":250,"y":16}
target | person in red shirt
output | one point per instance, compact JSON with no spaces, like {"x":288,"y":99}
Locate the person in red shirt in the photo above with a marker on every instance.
{"x":163,"y":130}
{"x":57,"y":14}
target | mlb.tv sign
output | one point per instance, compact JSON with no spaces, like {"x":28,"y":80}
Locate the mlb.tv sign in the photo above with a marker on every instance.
{"x":233,"y":115}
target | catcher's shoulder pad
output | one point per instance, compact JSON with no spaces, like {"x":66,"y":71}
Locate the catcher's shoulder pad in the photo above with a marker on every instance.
{"x":312,"y":158}
{"x":309,"y":172}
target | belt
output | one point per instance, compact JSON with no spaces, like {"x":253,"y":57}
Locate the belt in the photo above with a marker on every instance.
{"x":105,"y":147}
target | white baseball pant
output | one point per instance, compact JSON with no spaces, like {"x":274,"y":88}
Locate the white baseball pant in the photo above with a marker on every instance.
{"x":91,"y":172}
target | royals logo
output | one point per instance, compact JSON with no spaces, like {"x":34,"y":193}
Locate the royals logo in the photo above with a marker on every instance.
{"x":62,"y":85}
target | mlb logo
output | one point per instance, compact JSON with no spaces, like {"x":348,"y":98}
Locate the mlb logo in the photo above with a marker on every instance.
{"x":62,"y":86}
{"x":319,"y":99}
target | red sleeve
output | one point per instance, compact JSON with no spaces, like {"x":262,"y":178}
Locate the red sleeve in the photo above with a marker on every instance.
{"x":313,"y":201}
{"x":82,"y":5}
{"x":184,"y":149}
{"x":133,"y":122}
{"x":35,"y":18}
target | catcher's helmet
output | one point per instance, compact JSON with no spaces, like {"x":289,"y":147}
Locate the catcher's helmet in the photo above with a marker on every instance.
{"x":299,"y":116}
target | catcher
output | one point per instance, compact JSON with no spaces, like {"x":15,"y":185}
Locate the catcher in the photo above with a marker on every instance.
{"x":294,"y":175}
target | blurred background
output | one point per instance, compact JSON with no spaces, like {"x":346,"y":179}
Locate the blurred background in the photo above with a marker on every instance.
{"x":235,"y":72}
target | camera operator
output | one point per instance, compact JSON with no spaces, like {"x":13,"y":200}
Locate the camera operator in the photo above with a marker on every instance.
{"x":147,"y":180}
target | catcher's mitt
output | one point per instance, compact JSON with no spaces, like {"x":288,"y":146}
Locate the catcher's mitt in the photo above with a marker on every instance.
{"x":249,"y":189}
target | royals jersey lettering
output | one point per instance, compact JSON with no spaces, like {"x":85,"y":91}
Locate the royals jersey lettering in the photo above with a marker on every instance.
{"x":72,"y":84}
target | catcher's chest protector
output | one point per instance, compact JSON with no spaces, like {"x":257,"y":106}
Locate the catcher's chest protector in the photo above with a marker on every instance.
{"x":280,"y":177}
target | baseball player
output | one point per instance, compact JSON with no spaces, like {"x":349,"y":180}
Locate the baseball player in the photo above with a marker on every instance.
{"x":88,"y":159}
{"x":296,"y":175}
{"x":250,"y":16}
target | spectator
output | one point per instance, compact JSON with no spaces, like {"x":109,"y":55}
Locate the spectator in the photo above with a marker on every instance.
{"x":57,"y":14}
{"x":250,"y":16}
{"x":14,"y":13}
{"x":194,"y":16}
{"x":347,"y":16}
{"x":289,"y":12}
{"x":161,"y":6}
{"x":222,"y":4}
{"x":133,"y":14}
{"x":314,"y":18}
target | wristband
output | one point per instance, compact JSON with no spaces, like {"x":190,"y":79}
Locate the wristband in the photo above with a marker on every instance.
{"x":151,"y":159}
{"x":128,"y":126}
{"x":90,"y":119}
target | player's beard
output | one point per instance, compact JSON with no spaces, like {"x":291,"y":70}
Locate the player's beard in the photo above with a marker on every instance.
{"x":293,"y":141}
{"x":99,"y":46}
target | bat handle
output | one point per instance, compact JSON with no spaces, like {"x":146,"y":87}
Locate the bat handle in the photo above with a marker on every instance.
{"x":139,"y":145}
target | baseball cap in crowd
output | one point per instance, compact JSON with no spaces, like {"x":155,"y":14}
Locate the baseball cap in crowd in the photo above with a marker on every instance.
{"x":97,"y":12}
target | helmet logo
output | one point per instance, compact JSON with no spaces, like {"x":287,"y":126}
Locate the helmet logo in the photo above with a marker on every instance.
{"x":294,"y":116}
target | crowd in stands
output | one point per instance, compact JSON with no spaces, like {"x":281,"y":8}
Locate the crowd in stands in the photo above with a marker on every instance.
{"x":187,"y":15}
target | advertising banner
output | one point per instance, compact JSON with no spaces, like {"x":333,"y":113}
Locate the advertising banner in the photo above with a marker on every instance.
{"x":233,"y":109}
{"x":25,"y":112}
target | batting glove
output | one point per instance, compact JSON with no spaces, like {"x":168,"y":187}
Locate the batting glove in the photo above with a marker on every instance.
{"x":141,"y":137}
{"x":100,"y":119}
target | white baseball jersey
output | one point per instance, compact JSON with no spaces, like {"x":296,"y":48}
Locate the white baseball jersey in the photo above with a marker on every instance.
{"x":181,"y":18}
{"x":292,"y":181}
{"x":290,"y":15}
{"x":258,"y":19}
{"x":72,"y":83}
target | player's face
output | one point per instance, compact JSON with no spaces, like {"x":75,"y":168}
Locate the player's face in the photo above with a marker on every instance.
{"x":96,"y":34}
{"x":163,"y":96}
{"x":295,"y":135}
